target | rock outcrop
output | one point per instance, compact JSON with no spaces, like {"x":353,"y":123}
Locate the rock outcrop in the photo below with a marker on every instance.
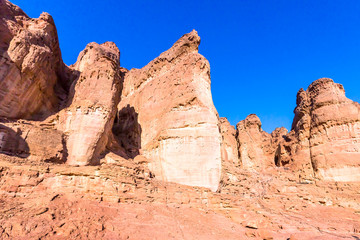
{"x":32,"y":85}
{"x":94,"y":95}
{"x":178,"y":122}
{"x":229,"y":152}
{"x":164,"y":127}
{"x":35,"y":141}
{"x":257,"y":147}
{"x":325,"y":134}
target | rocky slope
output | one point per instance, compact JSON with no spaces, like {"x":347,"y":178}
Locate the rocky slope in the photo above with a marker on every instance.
{"x":166,"y":166}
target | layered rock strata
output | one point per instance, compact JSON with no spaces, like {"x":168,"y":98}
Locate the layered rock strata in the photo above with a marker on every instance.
{"x":178,"y":122}
{"x":325,"y":134}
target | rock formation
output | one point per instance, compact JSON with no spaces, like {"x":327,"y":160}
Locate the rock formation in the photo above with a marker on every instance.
{"x":229,"y":151}
{"x":325,"y":134}
{"x":93,"y":99}
{"x":31,"y":69}
{"x":257,"y":147}
{"x":36,"y":141}
{"x":178,"y":122}
{"x":148,"y":130}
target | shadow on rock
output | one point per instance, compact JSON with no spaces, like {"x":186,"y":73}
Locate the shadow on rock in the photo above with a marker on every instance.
{"x":127,"y":131}
{"x":12,"y":143}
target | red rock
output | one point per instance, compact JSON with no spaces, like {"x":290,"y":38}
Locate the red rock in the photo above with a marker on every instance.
{"x":27,"y":139}
{"x":265,"y":234}
{"x":32,"y":78}
{"x":166,"y":121}
{"x":177,"y":123}
{"x":325,"y":133}
{"x":257,"y":147}
{"x":229,"y":148}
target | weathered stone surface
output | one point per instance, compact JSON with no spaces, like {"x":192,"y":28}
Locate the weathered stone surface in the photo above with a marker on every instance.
{"x":229,"y":152}
{"x":256,"y":147}
{"x":94,"y":95}
{"x":168,"y":114}
{"x":36,"y":141}
{"x":229,"y":148}
{"x":177,"y":119}
{"x":325,"y":134}
{"x":31,"y":69}
{"x":122,"y":200}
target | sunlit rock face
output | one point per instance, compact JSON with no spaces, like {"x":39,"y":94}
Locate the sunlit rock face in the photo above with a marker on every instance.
{"x":325,"y":134}
{"x":229,"y":154}
{"x":94,"y":95}
{"x":229,"y":146}
{"x":257,"y":147}
{"x":177,"y":119}
{"x":31,"y":70}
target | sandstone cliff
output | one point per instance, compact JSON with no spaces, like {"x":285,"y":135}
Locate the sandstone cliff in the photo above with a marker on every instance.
{"x":151,"y":132}
{"x":32,"y":83}
{"x":94,"y":95}
{"x":229,"y":153}
{"x":177,"y":121}
{"x":325,"y":133}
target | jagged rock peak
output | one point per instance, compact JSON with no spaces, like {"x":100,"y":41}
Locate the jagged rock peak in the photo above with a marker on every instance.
{"x":94,"y":95}
{"x":177,"y":125}
{"x":188,"y":43}
{"x":325,"y":133}
{"x":251,"y":121}
{"x":32,"y":78}
{"x":320,"y":83}
{"x":94,"y":51}
{"x":9,"y":10}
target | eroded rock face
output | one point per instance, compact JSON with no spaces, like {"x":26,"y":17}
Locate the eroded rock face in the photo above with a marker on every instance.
{"x":325,"y":133}
{"x":31,"y":70}
{"x":36,"y":141}
{"x":257,"y":147}
{"x":94,"y":95}
{"x":176,"y":116}
{"x":254,"y":143}
{"x":229,"y":148}
{"x":229,"y":151}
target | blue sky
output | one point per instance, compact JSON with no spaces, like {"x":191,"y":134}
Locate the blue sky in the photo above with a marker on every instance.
{"x":261,"y":52}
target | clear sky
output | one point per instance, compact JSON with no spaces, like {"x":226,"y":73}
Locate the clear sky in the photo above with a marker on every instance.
{"x":261,"y":52}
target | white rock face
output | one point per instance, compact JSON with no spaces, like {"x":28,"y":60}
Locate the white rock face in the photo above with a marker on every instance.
{"x":88,"y":119}
{"x":179,"y":123}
